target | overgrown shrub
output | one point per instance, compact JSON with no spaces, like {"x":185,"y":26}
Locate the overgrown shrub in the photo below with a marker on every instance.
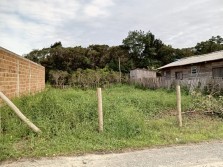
{"x":95,"y":78}
{"x":87,"y":78}
{"x":58,"y":78}
{"x":207,"y":103}
{"x":213,"y":88}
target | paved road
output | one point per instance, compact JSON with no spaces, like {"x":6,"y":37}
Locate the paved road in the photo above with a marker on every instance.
{"x":193,"y":155}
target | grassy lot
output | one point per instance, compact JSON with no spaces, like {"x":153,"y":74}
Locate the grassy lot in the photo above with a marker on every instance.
{"x":133,"y":119}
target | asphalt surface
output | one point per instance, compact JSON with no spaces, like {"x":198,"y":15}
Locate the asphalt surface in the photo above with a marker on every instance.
{"x":208,"y":154}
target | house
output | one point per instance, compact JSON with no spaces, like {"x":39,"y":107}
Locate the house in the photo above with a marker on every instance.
{"x":194,"y":67}
{"x":140,"y":74}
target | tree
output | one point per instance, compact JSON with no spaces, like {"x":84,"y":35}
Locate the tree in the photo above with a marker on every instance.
{"x":211,"y":45}
{"x":97,"y":54}
{"x":117,"y":53}
{"x":56,"y":44}
{"x":166,"y":54}
{"x":38,"y":56}
{"x":135,"y":42}
{"x":184,"y":52}
{"x":142,"y":48}
{"x":139,"y":50}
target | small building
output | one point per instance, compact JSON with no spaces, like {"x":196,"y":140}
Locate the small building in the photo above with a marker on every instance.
{"x":140,"y":74}
{"x":195,"y":67}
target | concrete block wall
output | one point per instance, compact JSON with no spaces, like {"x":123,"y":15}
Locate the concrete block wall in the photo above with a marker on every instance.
{"x":19,"y":76}
{"x":139,"y":74}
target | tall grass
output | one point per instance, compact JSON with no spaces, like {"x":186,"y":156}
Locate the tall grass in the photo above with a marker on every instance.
{"x":133,"y":118}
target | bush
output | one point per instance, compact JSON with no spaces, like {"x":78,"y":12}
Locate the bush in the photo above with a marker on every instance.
{"x":94,"y":78}
{"x":58,"y":78}
{"x":214,"y":88}
{"x":207,"y":103}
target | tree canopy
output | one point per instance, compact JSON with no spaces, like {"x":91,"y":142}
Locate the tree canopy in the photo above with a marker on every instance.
{"x":211,"y":45}
{"x":139,"y":50}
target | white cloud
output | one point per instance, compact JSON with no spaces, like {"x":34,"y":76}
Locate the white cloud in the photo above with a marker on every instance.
{"x":175,"y":36}
{"x":26,"y":24}
{"x":98,"y":8}
{"x":94,"y":11}
{"x":44,"y":11}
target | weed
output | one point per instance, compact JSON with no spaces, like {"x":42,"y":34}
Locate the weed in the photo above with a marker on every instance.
{"x":68,"y":119}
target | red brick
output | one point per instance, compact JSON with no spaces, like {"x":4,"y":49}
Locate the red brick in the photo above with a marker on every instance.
{"x":10,"y":63}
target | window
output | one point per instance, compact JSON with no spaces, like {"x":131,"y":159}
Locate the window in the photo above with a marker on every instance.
{"x":193,"y":70}
{"x":167,"y":74}
{"x":179,"y":75}
{"x":217,"y":72}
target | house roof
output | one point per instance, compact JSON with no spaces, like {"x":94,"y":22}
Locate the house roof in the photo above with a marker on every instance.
{"x":196,"y":59}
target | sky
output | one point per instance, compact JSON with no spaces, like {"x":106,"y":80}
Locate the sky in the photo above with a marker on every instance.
{"x":26,"y":25}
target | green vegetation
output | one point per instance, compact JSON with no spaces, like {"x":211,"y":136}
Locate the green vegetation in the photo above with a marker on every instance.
{"x":211,"y":103}
{"x":87,"y":78}
{"x":138,"y":50}
{"x":133,"y":119}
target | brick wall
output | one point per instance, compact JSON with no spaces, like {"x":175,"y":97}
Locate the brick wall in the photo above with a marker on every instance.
{"x":19,"y":76}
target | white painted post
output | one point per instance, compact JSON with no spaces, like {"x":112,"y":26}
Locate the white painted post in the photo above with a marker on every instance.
{"x":100,"y":112}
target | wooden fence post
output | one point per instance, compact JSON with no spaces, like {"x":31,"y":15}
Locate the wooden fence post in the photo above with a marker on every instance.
{"x":179,"y":105}
{"x":100,"y":113}
{"x":19,"y":114}
{"x":0,"y":124}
